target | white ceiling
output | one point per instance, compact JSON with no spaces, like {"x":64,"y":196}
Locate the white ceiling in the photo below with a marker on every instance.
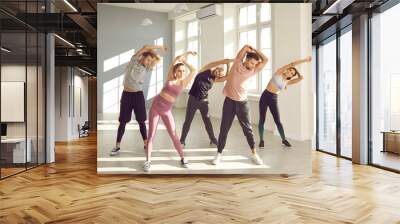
{"x":156,"y":7}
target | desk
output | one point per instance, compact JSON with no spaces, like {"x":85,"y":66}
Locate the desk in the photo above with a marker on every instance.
{"x":391,"y":141}
{"x":13,"y":150}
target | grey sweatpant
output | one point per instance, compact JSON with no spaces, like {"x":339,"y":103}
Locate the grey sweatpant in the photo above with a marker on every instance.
{"x":229,"y":110}
{"x":192,"y":106}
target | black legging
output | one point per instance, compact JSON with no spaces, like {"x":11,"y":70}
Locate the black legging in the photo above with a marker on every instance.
{"x":121,"y":130}
{"x":270,"y":100}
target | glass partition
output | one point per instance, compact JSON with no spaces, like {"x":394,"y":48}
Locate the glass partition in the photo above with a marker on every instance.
{"x":385,"y":89}
{"x":327,"y":96}
{"x":14,"y":155}
{"x":23,"y":90}
{"x":346,"y":93}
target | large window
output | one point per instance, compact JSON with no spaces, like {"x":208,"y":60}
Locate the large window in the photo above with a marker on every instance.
{"x":157,"y":76}
{"x":334,"y":83}
{"x":327,"y":96}
{"x":385,"y":89}
{"x":346,"y":93}
{"x":112,"y":92}
{"x":112,"y":89}
{"x":193,"y":44}
{"x":255,"y":29}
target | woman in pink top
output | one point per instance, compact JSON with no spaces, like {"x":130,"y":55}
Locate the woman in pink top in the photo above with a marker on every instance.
{"x":163,"y":102}
{"x":248,"y":63}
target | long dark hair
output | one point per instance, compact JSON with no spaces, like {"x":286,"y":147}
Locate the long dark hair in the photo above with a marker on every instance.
{"x":296,"y":73}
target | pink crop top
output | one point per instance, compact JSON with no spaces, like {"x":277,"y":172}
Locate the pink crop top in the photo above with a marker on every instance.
{"x":172,"y":89}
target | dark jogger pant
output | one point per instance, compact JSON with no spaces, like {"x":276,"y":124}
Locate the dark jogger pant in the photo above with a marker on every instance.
{"x":192,"y":106}
{"x":132,"y":101}
{"x":229,"y":110}
{"x":270,"y":100}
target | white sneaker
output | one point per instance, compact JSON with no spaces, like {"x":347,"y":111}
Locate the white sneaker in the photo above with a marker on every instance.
{"x":256,"y":159}
{"x":146,"y":166}
{"x":115,"y":151}
{"x":184,"y":163}
{"x":217,"y":159}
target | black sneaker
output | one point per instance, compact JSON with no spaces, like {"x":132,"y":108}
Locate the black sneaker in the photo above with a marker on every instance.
{"x":261,"y":145}
{"x":286,"y":143}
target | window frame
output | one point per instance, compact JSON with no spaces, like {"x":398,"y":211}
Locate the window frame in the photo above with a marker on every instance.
{"x":258,"y":26}
{"x":193,"y":38}
{"x":159,"y":79}
{"x":333,"y":37}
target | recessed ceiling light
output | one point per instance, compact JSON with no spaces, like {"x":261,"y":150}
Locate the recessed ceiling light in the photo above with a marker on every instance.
{"x":70,"y":5}
{"x":84,"y":71}
{"x":64,"y":40}
{"x":5,"y":50}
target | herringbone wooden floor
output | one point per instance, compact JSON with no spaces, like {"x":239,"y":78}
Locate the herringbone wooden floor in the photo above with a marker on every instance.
{"x":70,"y":191}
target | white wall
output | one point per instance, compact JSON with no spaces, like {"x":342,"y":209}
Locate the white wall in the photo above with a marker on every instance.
{"x":119,"y":31}
{"x":212,"y":45}
{"x":291,"y":40}
{"x":291,"y":30}
{"x":33,"y":127}
{"x":16,"y":73}
{"x":66,"y":119}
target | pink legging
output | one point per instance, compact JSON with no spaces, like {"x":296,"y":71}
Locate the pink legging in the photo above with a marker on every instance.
{"x":162,"y":108}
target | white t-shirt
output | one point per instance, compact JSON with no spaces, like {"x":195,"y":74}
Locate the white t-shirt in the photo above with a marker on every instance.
{"x":135,"y":75}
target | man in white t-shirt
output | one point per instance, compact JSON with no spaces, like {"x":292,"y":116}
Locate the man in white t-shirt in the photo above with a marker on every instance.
{"x":132,"y":98}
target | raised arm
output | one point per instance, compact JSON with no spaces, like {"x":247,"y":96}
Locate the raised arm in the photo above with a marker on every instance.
{"x":192,"y":70}
{"x":228,"y":68}
{"x":214,"y":64}
{"x":263,"y":61}
{"x":171,"y":67}
{"x":156,"y":60}
{"x":180,"y":59}
{"x":242,"y":53}
{"x":146,"y":48}
{"x":293,"y":64}
{"x":294,"y":81}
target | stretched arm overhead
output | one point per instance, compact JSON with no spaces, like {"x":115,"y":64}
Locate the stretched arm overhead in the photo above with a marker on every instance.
{"x":263,"y":61}
{"x":179,"y":59}
{"x":242,"y":53}
{"x":146,"y":48}
{"x":228,"y":67}
{"x":156,"y":60}
{"x":293,"y":64}
{"x":214,"y":64}
{"x":192,"y":70}
{"x":294,"y":81}
{"x":170,"y":75}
